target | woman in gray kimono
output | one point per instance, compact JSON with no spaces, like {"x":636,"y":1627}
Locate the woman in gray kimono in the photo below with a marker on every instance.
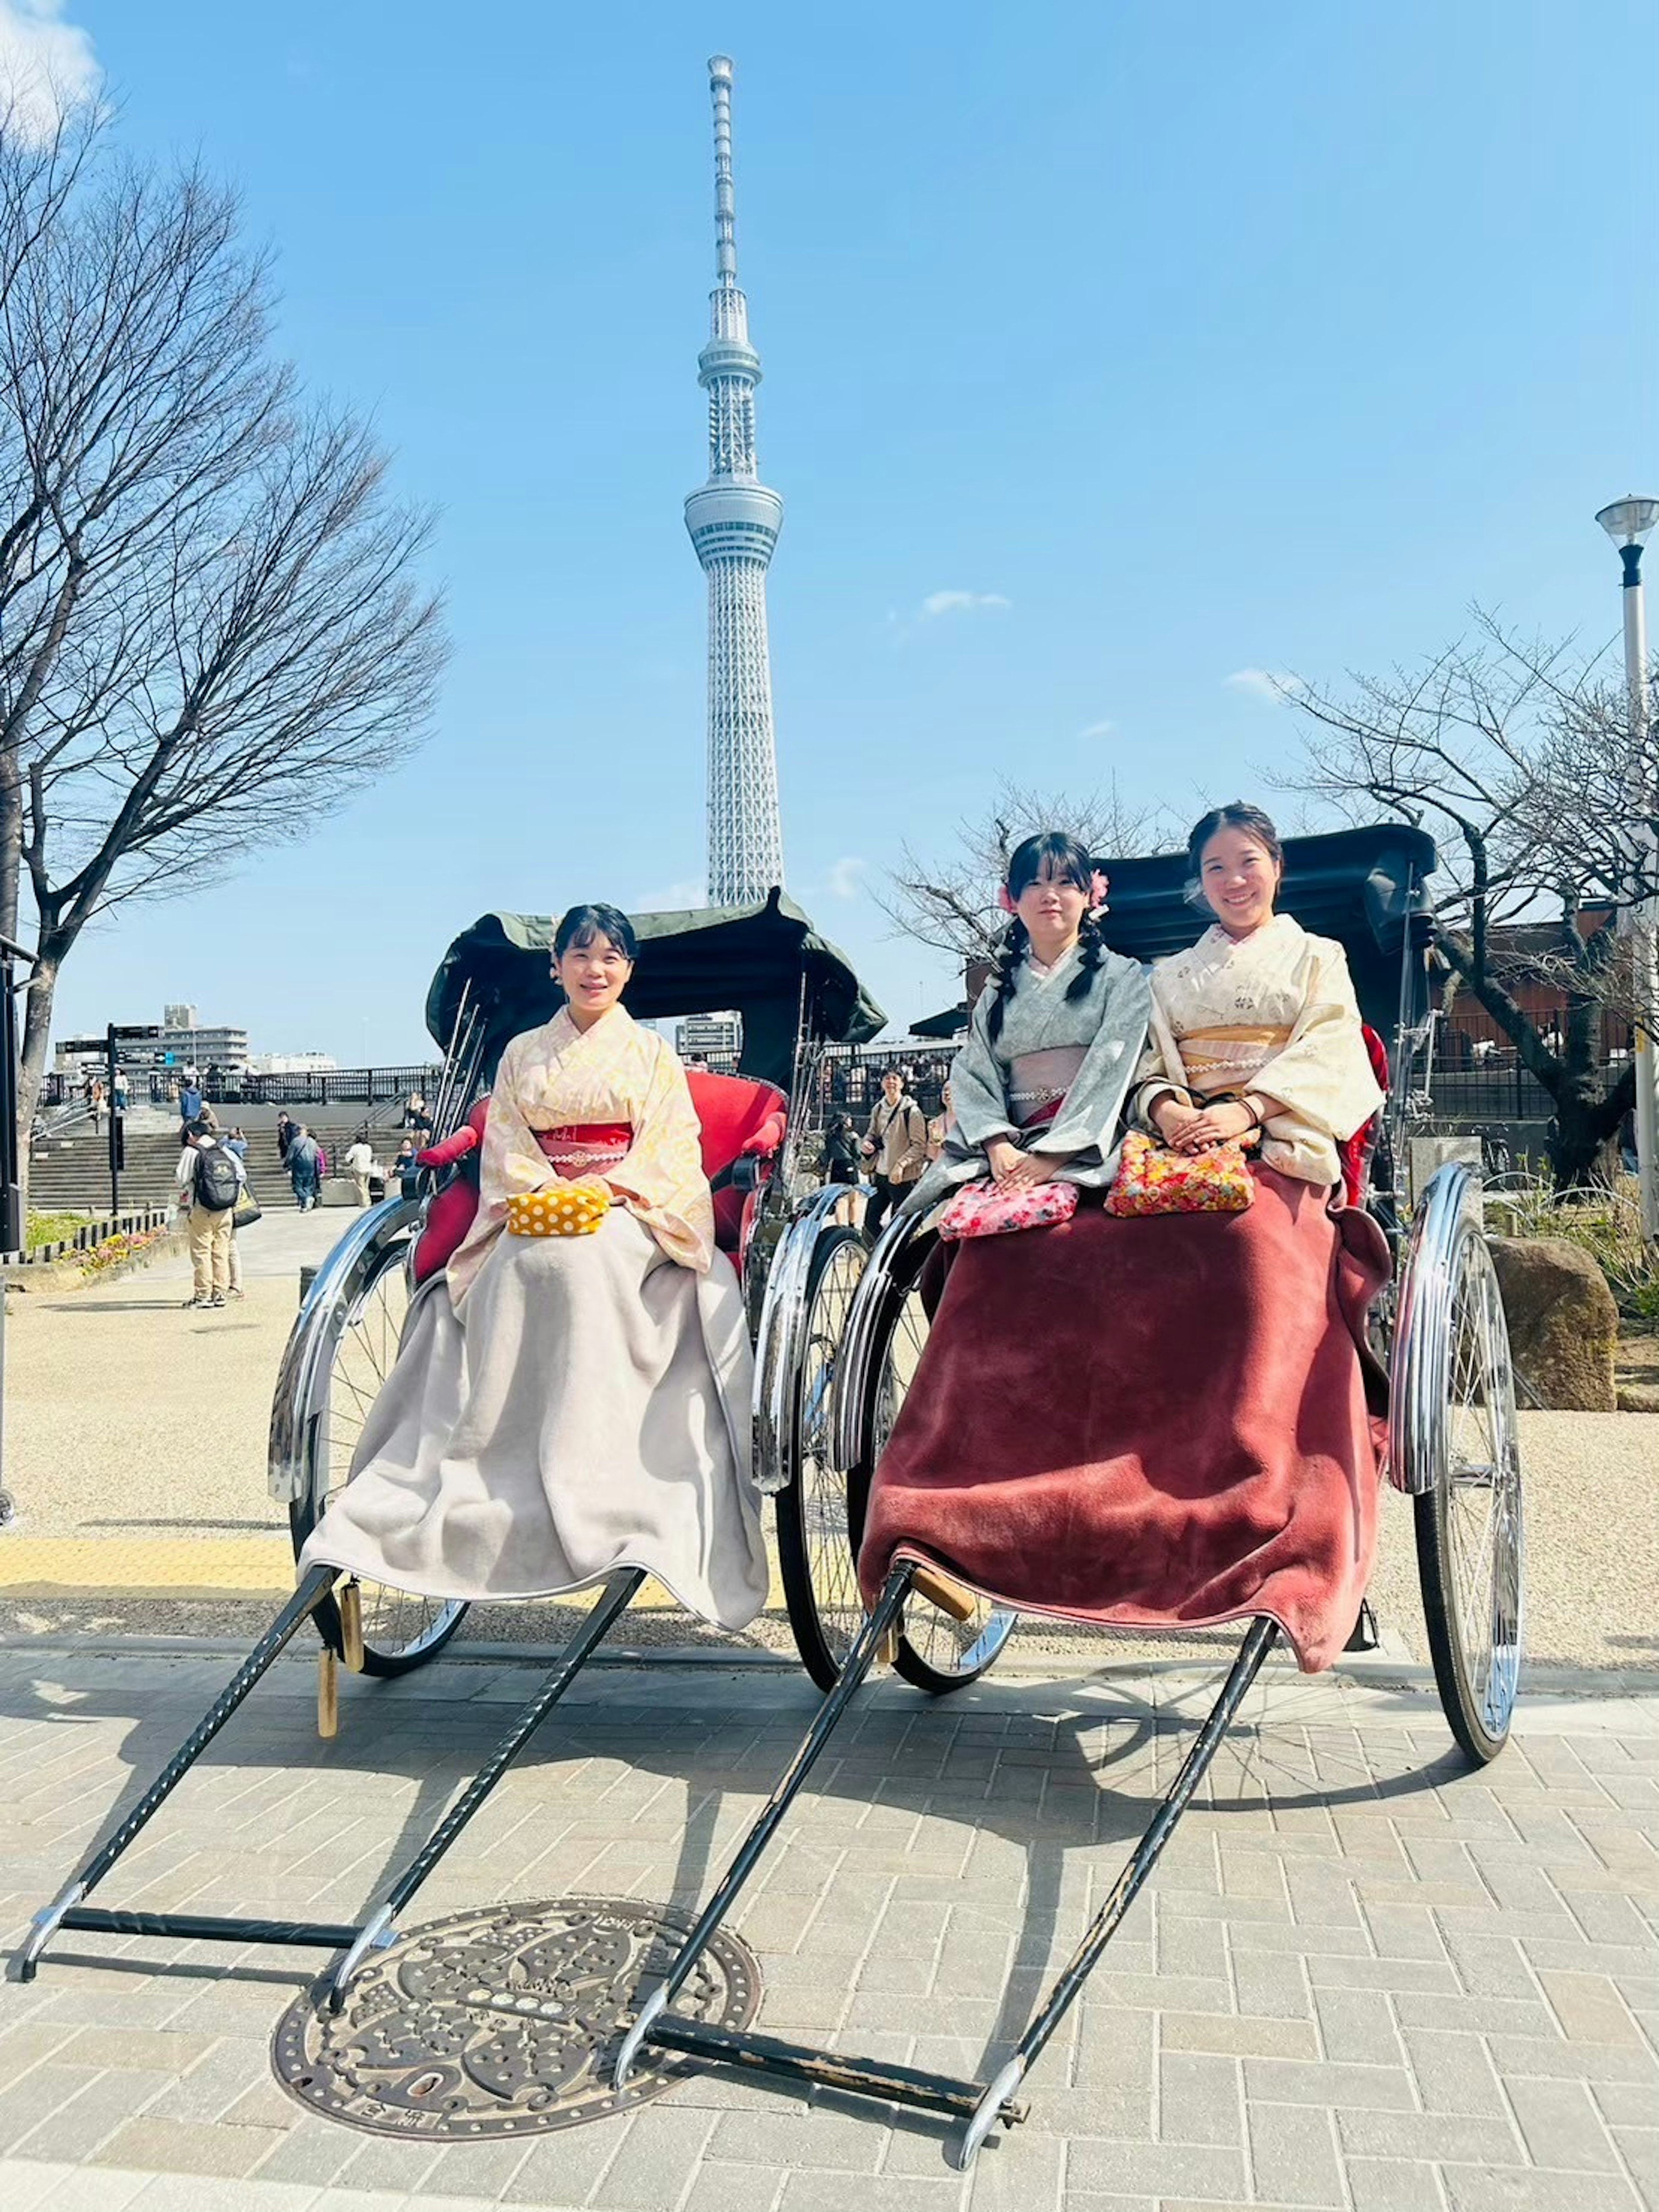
{"x":1038,"y":1089}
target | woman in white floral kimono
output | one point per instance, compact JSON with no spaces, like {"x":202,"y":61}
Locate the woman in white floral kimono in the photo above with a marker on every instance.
{"x":565,"y":1406}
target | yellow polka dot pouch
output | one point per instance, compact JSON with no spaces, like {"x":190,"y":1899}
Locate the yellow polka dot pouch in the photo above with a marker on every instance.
{"x":569,"y":1209}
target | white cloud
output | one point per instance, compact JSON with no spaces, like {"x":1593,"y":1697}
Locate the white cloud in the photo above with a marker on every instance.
{"x":952,"y":602}
{"x":1268,"y":683}
{"x":846,"y":878}
{"x":670,"y":898}
{"x":46,"y":66}
{"x":1097,"y":730}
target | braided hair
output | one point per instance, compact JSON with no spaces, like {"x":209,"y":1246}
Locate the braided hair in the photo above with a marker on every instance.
{"x":1052,"y":853}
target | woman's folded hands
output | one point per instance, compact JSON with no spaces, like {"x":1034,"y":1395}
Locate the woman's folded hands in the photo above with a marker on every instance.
{"x":1199,"y":1128}
{"x":1012,"y":1170}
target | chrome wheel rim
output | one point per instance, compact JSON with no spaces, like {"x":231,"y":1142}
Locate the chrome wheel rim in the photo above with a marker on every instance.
{"x":1480,"y":1463}
{"x":831,"y":1555}
{"x":942,"y":1644}
{"x":396,"y":1623}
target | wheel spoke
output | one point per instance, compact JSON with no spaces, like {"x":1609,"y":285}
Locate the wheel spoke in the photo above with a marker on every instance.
{"x":394,"y":1620}
{"x":1480,"y":1504}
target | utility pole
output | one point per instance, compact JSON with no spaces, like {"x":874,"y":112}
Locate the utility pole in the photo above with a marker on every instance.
{"x":1628,"y":522}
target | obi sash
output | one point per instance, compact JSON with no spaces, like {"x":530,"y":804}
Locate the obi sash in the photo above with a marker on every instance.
{"x":581,"y":1147}
{"x":1038,"y":1082}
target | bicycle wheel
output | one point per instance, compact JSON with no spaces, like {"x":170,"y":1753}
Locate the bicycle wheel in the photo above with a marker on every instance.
{"x":936,"y":1652}
{"x":818,"y":1521}
{"x":338,"y":1359}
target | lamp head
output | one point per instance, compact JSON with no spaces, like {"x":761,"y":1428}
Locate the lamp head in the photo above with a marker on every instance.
{"x":1629,"y":521}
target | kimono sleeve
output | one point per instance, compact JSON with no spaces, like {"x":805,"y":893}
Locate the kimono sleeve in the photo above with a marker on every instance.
{"x":1322,"y":1077}
{"x":979,"y":1091}
{"x":660,"y":1177}
{"x":1094,"y":1101}
{"x":1162,"y":1073}
{"x":512,"y":1161}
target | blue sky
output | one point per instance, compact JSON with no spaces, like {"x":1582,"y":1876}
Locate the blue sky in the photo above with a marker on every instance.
{"x":1187,"y":341}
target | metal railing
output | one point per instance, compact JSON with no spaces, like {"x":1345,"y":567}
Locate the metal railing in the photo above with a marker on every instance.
{"x":334,"y":1086}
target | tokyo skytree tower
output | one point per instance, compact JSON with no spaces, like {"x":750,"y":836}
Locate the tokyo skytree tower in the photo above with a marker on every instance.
{"x":734,"y":522}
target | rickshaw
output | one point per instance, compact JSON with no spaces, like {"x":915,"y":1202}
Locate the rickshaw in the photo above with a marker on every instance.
{"x":795,"y":994}
{"x":1439,"y":1330}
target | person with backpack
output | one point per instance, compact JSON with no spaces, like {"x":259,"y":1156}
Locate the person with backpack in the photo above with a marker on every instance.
{"x":895,"y":1147}
{"x":210,"y":1178}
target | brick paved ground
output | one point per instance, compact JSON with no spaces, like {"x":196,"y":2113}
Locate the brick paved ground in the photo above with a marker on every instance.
{"x":1363,"y":1978}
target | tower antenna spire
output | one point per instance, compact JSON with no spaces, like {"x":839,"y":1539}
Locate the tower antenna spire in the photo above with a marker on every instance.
{"x":733,"y":521}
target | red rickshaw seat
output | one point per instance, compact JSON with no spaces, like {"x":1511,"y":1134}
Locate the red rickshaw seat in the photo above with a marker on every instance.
{"x":1356,"y":1154}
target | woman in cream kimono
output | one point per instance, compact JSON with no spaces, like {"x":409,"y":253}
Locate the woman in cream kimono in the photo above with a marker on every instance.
{"x":1167,"y":1422}
{"x":565,"y":1406}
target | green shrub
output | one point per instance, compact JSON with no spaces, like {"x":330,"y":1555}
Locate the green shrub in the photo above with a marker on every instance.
{"x":1606,"y":1225}
{"x":51,"y":1228}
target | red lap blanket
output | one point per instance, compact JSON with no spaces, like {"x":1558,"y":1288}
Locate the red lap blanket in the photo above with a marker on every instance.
{"x":1159,"y":1423}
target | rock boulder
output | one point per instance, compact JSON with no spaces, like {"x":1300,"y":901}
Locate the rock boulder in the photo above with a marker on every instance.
{"x":1563,"y":1324}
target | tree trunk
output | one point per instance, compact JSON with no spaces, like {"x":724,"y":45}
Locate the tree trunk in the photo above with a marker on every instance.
{"x":36,"y":1034}
{"x":1584,"y":1156}
{"x":11,"y":843}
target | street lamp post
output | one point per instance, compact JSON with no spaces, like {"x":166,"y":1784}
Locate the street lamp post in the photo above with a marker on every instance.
{"x":1629,"y":523}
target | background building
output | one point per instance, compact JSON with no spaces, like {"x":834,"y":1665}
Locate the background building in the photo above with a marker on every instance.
{"x":709,"y":1037}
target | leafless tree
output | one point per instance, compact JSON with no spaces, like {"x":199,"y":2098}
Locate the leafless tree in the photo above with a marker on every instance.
{"x":211,"y":627}
{"x":1518,"y":756}
{"x":950,"y":903}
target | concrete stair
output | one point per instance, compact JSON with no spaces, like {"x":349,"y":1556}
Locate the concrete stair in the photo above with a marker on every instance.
{"x":72,"y":1170}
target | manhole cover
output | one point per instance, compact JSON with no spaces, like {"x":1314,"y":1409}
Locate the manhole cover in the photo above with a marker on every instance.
{"x":507,"y":2022}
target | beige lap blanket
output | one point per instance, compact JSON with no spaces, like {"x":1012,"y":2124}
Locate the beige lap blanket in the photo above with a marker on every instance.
{"x":587,"y":1409}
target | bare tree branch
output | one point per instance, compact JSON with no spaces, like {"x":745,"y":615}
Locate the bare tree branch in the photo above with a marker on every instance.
{"x":950,"y":903}
{"x":211,"y":625}
{"x":1517,"y":755}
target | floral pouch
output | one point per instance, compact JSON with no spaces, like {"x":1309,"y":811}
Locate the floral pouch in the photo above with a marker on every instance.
{"x":1153,"y":1178}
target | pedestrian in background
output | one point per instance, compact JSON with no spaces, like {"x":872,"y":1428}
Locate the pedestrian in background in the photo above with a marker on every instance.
{"x":95,"y":1101}
{"x":211,"y":1180}
{"x":841,"y":1151}
{"x":896,"y":1146}
{"x":118,"y":1098}
{"x":285,"y":1128}
{"x":939,"y":1125}
{"x":359,"y":1159}
{"x":305,"y":1167}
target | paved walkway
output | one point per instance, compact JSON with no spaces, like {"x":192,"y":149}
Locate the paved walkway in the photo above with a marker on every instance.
{"x":1362,"y":1978}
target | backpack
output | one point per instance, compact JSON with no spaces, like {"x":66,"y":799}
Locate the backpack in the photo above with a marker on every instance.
{"x":216,"y":1181}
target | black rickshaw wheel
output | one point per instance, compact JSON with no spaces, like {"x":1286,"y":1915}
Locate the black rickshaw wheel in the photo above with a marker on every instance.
{"x":355,"y":1336}
{"x":936,"y":1652}
{"x":1470,"y":1540}
{"x":819,"y":1513}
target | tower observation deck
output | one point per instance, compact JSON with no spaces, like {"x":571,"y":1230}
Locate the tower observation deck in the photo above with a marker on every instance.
{"x":734,"y":521}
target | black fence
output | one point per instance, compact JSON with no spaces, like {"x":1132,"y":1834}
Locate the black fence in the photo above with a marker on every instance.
{"x":335,"y":1086}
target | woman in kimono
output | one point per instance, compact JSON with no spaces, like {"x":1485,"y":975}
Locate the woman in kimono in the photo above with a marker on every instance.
{"x":563,"y":1405}
{"x":1167,"y":1421}
{"x":1039,"y":1087}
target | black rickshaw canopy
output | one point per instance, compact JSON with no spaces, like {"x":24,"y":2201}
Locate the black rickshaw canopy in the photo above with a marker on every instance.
{"x":766,"y":961}
{"x":1361,"y":887}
